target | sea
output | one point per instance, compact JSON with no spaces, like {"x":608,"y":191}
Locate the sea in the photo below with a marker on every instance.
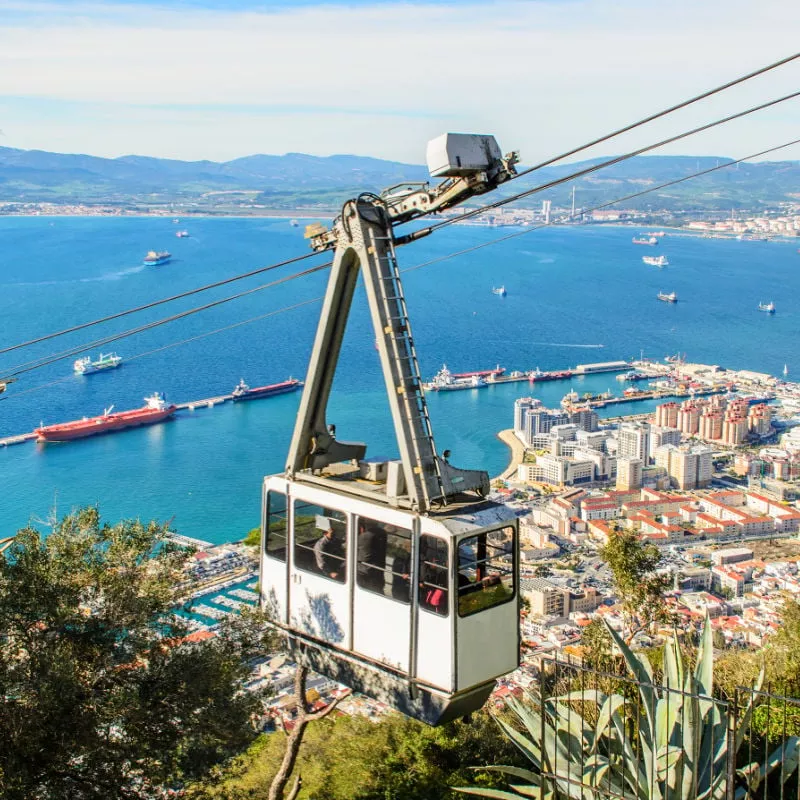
{"x":575,"y":295}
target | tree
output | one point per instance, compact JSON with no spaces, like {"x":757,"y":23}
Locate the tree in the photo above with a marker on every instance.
{"x":542,"y":571}
{"x":355,"y":758}
{"x":638,"y":588}
{"x":103,"y":692}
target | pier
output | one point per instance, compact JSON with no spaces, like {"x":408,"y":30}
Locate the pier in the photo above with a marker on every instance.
{"x":19,"y":439}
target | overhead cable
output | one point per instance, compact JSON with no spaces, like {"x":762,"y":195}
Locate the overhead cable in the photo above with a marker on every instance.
{"x":154,"y":303}
{"x":436,"y":260}
{"x":605,"y":205}
{"x":604,"y":138}
{"x":602,"y":165}
{"x":73,"y":351}
{"x":659,"y":114}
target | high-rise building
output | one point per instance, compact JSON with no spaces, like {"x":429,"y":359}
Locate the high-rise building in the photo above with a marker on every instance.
{"x":633,"y":441}
{"x":711,"y":423}
{"x":734,"y":429}
{"x":688,"y":419}
{"x":629,"y":474}
{"x":585,"y":419}
{"x":661,"y":436}
{"x":688,"y":466}
{"x":667,"y":415}
{"x":521,"y":408}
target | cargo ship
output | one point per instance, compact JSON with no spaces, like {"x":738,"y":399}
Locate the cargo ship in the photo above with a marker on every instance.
{"x":668,"y":298}
{"x":154,"y":259}
{"x":445,"y":381}
{"x":85,"y":366}
{"x":244,"y":392}
{"x":482,"y":373}
{"x":656,"y":261}
{"x":537,"y":375}
{"x":154,"y":410}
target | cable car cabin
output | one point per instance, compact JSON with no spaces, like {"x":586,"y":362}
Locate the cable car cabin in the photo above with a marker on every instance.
{"x":420,"y":612}
{"x":396,"y":578}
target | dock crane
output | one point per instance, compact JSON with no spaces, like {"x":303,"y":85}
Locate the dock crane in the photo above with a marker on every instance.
{"x":397,"y":578}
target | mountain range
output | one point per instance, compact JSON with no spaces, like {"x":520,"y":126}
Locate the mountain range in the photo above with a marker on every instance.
{"x":298,"y":180}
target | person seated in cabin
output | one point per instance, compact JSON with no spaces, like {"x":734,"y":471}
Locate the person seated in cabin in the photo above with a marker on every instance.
{"x":326,"y":550}
{"x":401,"y":571}
{"x":433,"y":580}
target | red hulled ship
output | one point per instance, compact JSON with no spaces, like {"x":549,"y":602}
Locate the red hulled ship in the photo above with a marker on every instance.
{"x":154,"y":410}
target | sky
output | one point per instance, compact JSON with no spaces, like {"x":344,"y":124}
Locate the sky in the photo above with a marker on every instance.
{"x":207,"y":79}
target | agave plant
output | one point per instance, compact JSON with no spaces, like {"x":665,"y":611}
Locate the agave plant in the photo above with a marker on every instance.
{"x":671,"y":741}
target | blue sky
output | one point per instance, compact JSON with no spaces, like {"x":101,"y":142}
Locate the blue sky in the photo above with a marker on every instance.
{"x":201,"y":79}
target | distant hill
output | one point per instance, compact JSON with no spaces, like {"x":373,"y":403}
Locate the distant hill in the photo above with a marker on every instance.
{"x":296,"y":179}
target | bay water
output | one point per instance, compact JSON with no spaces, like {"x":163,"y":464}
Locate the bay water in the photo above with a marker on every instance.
{"x":575,"y":295}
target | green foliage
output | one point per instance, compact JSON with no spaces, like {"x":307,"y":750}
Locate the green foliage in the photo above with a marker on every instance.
{"x":352,"y":758}
{"x":638,"y":589}
{"x":95,"y":700}
{"x":253,"y":538}
{"x":671,"y":743}
{"x":597,"y":646}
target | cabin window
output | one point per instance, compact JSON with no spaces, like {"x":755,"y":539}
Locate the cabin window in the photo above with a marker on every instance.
{"x":433,"y":572}
{"x":383,"y":563}
{"x":486,"y":570}
{"x":320,"y":541}
{"x":275,"y":533}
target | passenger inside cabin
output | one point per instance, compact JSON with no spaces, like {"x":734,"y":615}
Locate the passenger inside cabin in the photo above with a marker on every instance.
{"x":327,"y":553}
{"x":401,"y":571}
{"x":433,"y":575}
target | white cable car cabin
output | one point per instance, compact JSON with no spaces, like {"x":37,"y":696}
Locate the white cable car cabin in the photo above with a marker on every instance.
{"x":395,"y":578}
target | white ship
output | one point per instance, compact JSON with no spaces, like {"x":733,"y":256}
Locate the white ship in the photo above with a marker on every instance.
{"x":768,"y":307}
{"x":656,"y":261}
{"x":499,"y":290}
{"x":85,"y":366}
{"x":668,"y":298}
{"x":444,"y":381}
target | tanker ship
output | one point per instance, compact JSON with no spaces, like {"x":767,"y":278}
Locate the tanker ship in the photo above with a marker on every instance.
{"x":154,"y":410}
{"x":244,"y":392}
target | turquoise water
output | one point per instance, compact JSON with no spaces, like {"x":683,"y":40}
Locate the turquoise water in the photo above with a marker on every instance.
{"x":570,"y":291}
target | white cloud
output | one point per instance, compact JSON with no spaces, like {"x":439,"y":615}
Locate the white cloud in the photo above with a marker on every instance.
{"x":380,"y":80}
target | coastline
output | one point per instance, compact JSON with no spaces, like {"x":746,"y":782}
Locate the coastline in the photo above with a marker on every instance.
{"x":508,"y":438}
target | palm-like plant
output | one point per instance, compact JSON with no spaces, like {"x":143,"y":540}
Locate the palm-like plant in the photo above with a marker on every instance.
{"x":668,"y":742}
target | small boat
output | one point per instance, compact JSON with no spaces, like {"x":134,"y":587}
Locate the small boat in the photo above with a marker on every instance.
{"x":154,"y":259}
{"x":85,"y":366}
{"x":785,"y":370}
{"x":499,"y":290}
{"x":656,"y":261}
{"x":769,"y":308}
{"x":651,"y":240}
{"x":244,"y":392}
{"x":294,"y":223}
{"x":182,"y":234}
{"x":668,"y":298}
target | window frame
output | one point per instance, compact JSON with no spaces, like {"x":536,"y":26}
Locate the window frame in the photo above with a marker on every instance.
{"x":445,"y":587}
{"x":387,"y":573}
{"x":266,"y":530}
{"x":513,"y":572}
{"x":337,"y":516}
